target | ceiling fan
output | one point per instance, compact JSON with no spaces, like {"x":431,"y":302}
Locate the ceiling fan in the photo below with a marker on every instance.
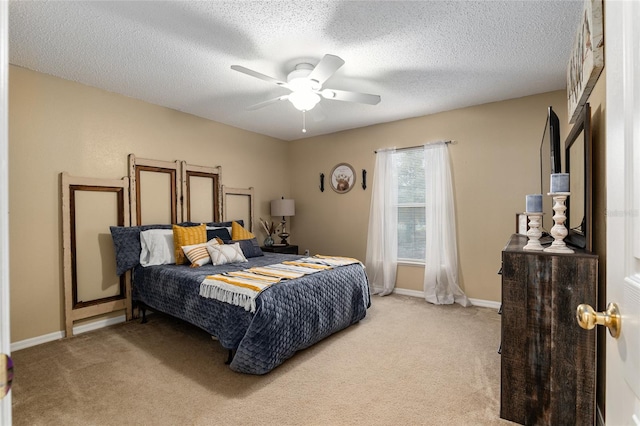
{"x":305,"y":83}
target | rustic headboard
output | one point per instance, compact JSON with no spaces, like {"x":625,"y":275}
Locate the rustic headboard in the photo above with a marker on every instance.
{"x":91,"y":287}
{"x":155,"y":192}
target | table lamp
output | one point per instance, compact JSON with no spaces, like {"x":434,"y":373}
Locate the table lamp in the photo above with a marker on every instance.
{"x":283,"y":207}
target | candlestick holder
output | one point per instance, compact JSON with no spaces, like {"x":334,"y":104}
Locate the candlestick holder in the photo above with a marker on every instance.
{"x":559,"y":231}
{"x":534,"y":232}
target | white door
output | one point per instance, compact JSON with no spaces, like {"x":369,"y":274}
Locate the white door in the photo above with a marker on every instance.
{"x":622,"y":62}
{"x":5,"y":403}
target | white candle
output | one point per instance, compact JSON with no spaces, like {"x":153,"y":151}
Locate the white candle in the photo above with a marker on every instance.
{"x":534,"y":203}
{"x":559,"y":182}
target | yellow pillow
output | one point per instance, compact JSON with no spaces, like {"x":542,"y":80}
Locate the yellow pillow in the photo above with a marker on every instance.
{"x":187,"y":236}
{"x":239,"y":233}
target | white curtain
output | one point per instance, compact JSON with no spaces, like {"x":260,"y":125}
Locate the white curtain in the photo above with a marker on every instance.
{"x":382,"y":240}
{"x":441,"y":263}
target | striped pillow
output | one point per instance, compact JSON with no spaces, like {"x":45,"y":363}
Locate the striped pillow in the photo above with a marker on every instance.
{"x":187,"y":236}
{"x":197,"y":254}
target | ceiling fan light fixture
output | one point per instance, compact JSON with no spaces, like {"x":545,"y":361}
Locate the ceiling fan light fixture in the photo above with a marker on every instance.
{"x":305,"y":83}
{"x":304,"y":100}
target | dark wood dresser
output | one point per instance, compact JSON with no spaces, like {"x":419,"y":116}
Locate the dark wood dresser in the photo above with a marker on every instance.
{"x":548,"y":364}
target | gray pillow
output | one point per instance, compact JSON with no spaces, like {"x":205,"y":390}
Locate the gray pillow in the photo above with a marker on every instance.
{"x":250,"y":248}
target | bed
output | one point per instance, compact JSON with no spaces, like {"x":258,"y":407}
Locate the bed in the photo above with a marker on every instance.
{"x":289,"y":316}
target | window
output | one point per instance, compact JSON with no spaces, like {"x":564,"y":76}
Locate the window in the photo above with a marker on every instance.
{"x":409,"y":164}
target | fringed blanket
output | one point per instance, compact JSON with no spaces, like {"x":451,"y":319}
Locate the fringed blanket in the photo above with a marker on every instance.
{"x":241,"y":288}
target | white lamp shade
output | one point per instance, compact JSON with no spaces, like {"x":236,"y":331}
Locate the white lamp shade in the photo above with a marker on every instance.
{"x":283,"y":207}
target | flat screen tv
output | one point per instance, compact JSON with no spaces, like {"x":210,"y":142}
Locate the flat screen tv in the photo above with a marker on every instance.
{"x":550,"y":162}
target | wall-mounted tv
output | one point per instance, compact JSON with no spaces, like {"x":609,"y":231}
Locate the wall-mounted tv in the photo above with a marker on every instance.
{"x":550,"y":162}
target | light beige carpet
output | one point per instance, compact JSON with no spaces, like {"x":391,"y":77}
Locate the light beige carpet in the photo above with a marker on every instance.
{"x":407,"y":362}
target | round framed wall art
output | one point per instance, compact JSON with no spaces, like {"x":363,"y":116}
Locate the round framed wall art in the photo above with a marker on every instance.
{"x":343,"y":178}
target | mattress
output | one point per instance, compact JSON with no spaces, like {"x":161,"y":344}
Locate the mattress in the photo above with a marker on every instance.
{"x":290,"y":316}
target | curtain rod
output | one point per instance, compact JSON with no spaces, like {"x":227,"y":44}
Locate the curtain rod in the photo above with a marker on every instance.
{"x":411,"y":147}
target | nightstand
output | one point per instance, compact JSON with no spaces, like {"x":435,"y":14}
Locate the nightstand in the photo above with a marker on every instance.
{"x":289,"y":249}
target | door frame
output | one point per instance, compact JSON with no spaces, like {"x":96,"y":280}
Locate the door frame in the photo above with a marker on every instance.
{"x":5,"y":340}
{"x":621,"y":100}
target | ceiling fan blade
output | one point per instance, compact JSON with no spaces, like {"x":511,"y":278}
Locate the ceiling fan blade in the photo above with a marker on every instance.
{"x":328,"y":65}
{"x":265,"y":103}
{"x":343,"y":95}
{"x":256,"y":74}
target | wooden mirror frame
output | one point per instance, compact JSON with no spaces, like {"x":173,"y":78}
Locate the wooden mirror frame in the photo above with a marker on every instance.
{"x":584,"y":237}
{"x":213,"y":173}
{"x":241,"y":192}
{"x":78,"y":310}
{"x":172,"y":168}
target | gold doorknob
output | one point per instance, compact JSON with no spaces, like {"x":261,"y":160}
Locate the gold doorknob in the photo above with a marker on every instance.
{"x":588,"y":318}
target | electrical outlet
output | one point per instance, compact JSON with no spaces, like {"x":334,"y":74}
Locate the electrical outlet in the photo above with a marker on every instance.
{"x":306,"y":252}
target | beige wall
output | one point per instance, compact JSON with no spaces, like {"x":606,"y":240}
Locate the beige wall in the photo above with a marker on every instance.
{"x":495,"y":164}
{"x":58,"y":125}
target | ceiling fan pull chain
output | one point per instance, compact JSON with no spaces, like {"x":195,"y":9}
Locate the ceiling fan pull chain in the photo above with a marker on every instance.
{"x":304,"y":122}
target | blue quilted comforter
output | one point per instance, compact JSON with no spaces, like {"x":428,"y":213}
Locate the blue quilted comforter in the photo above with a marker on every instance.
{"x":290,"y":316}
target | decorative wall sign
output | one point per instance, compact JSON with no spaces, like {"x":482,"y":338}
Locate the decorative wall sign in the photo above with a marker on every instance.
{"x":587,"y":58}
{"x":343,"y":178}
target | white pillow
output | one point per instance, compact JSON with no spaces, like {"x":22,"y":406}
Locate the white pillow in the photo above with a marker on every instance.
{"x":214,"y":242}
{"x":197,"y":254}
{"x":225,"y":253}
{"x":157,"y":247}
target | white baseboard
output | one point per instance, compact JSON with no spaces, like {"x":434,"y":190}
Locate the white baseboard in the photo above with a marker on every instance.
{"x":95,"y":325}
{"x":406,"y":292}
{"x":486,"y":303}
{"x":79,"y":329}
{"x":476,"y":302}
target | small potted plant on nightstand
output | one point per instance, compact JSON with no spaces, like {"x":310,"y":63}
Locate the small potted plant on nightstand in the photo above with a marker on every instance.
{"x":270,"y":229}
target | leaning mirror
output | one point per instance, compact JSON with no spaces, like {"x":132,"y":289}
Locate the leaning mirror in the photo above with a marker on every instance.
{"x":578,"y":152}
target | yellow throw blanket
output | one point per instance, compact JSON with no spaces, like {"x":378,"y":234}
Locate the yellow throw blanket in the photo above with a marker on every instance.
{"x":241,"y":288}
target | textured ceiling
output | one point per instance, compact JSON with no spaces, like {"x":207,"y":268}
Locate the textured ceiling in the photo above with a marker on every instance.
{"x":421,"y":57}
